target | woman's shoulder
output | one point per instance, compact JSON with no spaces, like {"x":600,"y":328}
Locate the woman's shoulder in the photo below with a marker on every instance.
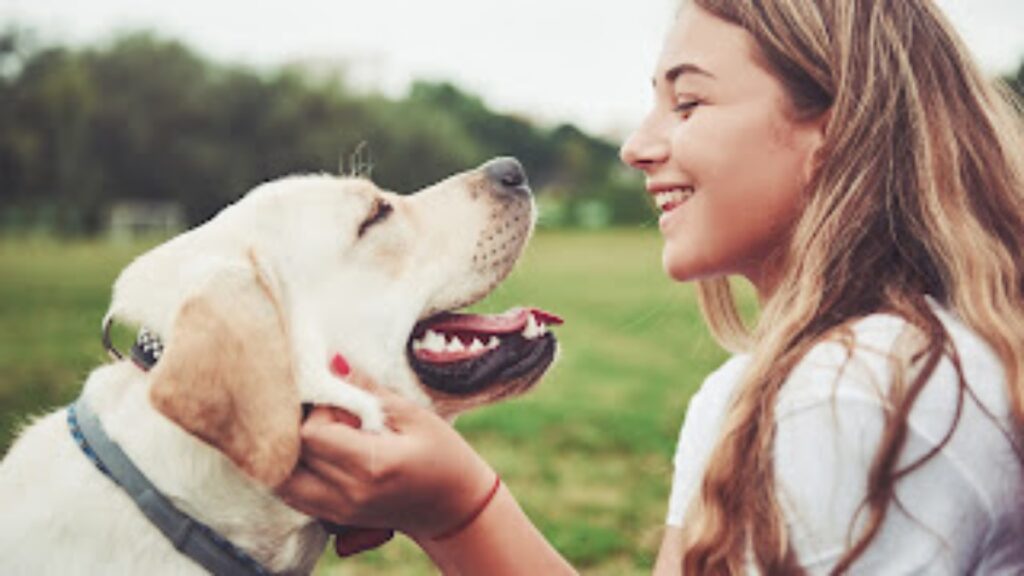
{"x":728,"y":373}
{"x":864,"y":358}
{"x":718,"y":387}
{"x":707,"y":407}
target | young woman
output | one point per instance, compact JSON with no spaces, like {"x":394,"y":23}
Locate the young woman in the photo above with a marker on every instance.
{"x":850,"y":161}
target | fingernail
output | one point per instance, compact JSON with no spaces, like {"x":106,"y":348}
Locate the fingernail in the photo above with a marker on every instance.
{"x":340,"y":365}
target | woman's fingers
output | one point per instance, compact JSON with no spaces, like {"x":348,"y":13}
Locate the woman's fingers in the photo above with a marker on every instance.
{"x":341,"y":444}
{"x":340,"y":478}
{"x":409,"y":476}
{"x":310,"y":494}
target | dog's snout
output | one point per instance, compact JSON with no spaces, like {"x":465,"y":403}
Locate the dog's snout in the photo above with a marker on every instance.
{"x":506,"y":171}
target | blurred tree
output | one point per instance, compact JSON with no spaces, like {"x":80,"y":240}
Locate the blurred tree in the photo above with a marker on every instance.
{"x":142,"y":117}
{"x":495,"y":134}
{"x":156,"y":106}
{"x":44,"y":149}
{"x":15,"y":144}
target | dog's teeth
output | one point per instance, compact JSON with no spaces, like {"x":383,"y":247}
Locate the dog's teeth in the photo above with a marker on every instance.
{"x":493,"y":343}
{"x":455,"y":346}
{"x":433,"y":342}
{"x":476,"y":346}
{"x":532,"y":330}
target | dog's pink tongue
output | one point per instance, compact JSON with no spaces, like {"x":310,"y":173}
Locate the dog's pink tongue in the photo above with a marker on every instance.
{"x":512,"y":321}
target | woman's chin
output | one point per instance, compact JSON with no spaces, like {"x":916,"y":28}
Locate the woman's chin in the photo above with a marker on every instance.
{"x":683,"y":265}
{"x":677,"y":266}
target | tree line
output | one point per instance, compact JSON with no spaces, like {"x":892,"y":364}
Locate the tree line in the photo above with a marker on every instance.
{"x":147,"y":118}
{"x":142,"y":117}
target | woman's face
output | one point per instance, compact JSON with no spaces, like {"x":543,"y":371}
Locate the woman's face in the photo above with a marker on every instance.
{"x":723,"y":160}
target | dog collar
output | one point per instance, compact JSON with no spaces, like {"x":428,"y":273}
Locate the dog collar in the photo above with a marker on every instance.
{"x":189,"y":536}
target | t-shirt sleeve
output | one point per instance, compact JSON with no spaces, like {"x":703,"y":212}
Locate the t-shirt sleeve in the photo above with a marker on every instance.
{"x":698,"y":436}
{"x":685,"y":477}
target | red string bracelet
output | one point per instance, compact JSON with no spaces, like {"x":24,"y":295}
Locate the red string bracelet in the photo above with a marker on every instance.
{"x":475,"y":514}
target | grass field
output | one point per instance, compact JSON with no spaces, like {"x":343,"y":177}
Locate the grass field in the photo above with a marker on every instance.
{"x":588,"y":453}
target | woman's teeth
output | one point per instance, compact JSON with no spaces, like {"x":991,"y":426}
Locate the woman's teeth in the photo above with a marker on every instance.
{"x":669,"y":199}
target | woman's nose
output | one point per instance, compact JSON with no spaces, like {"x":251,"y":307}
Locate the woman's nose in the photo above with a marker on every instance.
{"x":645,"y":148}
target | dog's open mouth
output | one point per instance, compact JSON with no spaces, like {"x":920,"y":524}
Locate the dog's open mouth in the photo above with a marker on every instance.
{"x":464,"y":353}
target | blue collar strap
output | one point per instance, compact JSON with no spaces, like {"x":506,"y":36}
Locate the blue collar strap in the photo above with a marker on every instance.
{"x":192,"y":538}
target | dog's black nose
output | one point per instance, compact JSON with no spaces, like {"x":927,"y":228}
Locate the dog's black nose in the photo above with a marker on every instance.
{"x":507,"y":172}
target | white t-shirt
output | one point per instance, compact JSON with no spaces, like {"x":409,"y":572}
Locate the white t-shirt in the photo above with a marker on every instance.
{"x":962,"y":512}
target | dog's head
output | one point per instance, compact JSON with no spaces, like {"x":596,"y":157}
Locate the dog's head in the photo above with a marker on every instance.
{"x":252,"y":305}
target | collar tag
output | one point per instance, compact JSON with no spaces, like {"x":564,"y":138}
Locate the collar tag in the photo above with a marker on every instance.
{"x":147,"y":350}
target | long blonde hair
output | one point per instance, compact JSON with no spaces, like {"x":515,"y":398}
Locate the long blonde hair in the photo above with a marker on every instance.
{"x":918,"y":192}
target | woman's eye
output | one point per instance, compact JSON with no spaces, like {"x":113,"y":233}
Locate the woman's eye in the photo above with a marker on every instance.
{"x":686,"y":108}
{"x":381,"y":210}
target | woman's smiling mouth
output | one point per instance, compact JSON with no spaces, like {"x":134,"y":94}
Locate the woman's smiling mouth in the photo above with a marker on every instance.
{"x":670,"y":199}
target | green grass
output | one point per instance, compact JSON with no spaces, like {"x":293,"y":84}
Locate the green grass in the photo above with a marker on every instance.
{"x":587,"y":453}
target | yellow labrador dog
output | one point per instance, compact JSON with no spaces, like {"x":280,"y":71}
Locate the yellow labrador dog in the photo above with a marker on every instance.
{"x":167,"y":461}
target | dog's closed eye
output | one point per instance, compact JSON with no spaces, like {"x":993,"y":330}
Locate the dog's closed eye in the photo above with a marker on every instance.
{"x":378,"y":213}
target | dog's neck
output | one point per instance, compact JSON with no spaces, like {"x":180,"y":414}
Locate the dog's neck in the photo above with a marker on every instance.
{"x":198,"y":479}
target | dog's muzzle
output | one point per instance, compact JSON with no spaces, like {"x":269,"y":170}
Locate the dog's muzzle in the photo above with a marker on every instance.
{"x":462,"y":354}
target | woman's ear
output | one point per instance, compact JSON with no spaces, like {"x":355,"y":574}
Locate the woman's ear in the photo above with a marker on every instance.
{"x":818,"y":129}
{"x":226,"y":373}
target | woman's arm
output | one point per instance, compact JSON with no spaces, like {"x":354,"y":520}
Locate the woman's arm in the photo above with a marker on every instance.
{"x":501,"y":541}
{"x":419,"y":477}
{"x":670,"y":557}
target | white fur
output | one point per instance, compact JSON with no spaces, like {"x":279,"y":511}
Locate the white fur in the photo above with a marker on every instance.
{"x":339,"y":293}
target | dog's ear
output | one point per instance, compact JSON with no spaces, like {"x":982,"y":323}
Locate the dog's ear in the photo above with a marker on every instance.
{"x":226,"y":373}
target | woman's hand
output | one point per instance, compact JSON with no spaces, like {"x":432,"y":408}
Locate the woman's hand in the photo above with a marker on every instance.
{"x":418,"y":476}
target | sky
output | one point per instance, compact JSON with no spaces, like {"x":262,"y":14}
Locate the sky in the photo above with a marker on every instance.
{"x":588,"y":62}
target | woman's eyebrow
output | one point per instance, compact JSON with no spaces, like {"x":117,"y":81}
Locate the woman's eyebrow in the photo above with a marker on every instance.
{"x":679,"y":69}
